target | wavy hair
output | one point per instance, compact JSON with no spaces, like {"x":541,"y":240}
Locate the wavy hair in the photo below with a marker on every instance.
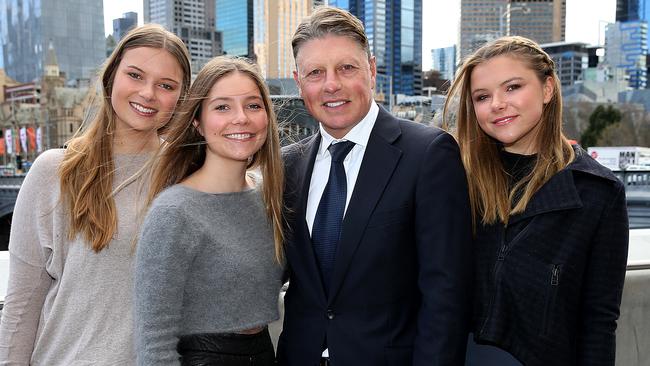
{"x":491,"y":199}
{"x":184,"y":150}
{"x":86,"y":172}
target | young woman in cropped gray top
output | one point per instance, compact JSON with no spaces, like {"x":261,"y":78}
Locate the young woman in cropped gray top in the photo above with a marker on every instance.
{"x":208,"y":262}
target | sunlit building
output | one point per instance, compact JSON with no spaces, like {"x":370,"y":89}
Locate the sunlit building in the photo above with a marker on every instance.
{"x":193,"y":21}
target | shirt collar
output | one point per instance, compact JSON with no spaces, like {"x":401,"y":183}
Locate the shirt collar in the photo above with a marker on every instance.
{"x":359,"y":134}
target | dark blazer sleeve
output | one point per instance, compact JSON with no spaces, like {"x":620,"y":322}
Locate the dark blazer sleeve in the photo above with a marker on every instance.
{"x":443,"y":238}
{"x":603,"y":284}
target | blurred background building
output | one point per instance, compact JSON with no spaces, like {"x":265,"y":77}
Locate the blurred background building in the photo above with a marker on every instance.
{"x":74,"y":27}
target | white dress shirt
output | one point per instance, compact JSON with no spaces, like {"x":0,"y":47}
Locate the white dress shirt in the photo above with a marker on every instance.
{"x":359,"y":134}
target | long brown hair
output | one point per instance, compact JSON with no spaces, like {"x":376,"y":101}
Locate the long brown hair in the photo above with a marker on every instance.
{"x":184,"y":149}
{"x":86,"y":172}
{"x":490,"y":198}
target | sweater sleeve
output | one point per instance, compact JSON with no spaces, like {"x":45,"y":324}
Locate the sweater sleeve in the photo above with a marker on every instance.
{"x":30,"y":246}
{"x":163,"y":259}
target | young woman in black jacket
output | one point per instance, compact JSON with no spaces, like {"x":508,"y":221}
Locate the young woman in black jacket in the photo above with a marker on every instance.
{"x":550,"y":223}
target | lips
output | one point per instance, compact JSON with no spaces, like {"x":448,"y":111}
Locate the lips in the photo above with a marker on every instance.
{"x":335,"y":104}
{"x":142,"y":109}
{"x":503,"y":120}
{"x":239,"y":136}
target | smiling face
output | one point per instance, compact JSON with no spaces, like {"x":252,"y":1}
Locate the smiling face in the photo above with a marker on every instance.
{"x":336,"y":81}
{"x":146,"y":87}
{"x":233,"y":119}
{"x":508,"y":100}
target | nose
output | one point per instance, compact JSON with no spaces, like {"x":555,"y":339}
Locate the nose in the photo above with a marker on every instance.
{"x":147,"y":92}
{"x":332,"y":83}
{"x":498,"y":102}
{"x":241,"y":117}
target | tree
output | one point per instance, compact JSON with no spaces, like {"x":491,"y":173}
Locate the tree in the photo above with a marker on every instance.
{"x":599,"y":120}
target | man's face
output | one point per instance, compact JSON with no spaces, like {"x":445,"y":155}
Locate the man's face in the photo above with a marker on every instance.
{"x":336,"y":80}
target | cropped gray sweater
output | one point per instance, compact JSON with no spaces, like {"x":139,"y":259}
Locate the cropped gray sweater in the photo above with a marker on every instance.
{"x":204,"y":264}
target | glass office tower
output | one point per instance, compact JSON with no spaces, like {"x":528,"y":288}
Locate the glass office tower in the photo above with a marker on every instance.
{"x":394,"y":29}
{"x":234,"y":20}
{"x":28,"y":26}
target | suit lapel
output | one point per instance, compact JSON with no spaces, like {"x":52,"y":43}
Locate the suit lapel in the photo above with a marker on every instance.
{"x":302,"y":241}
{"x":379,"y":162}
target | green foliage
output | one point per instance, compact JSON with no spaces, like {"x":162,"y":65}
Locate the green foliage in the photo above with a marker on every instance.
{"x":599,"y":120}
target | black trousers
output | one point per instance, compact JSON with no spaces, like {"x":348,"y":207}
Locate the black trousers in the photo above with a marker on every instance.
{"x":227,"y":349}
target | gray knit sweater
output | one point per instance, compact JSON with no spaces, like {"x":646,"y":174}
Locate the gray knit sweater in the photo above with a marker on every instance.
{"x":204,"y":264}
{"x":66,"y":304}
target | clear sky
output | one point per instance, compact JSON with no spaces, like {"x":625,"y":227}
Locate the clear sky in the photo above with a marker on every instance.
{"x":585,"y":21}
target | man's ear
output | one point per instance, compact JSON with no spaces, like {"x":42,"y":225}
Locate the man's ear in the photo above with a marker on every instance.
{"x":197,"y":125}
{"x":296,"y":77}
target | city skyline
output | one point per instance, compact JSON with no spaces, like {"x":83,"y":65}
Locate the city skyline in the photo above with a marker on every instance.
{"x":585,"y":18}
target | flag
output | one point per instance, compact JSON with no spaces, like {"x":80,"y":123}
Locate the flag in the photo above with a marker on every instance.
{"x":39,"y":140}
{"x":9,"y":141}
{"x":31,"y":138}
{"x":23,"y":139}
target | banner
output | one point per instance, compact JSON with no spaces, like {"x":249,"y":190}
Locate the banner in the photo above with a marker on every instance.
{"x":2,"y":146}
{"x":39,"y":140}
{"x":23,"y":139}
{"x":31,"y":139}
{"x":9,"y":141}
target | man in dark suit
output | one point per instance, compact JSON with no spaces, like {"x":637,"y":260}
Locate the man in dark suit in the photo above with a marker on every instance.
{"x":378,"y":223}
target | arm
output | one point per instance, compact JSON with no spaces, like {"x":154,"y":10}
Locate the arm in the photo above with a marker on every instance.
{"x":162,"y":266}
{"x":28,"y":285}
{"x":603,"y":285}
{"x":29,"y":245}
{"x":443,"y":234}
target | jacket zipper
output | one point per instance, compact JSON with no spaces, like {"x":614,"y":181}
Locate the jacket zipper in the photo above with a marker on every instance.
{"x":500,"y":257}
{"x":550,"y":297}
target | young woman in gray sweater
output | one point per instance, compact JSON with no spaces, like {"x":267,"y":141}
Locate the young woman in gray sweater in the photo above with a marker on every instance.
{"x":69,"y":300}
{"x":208,"y":267}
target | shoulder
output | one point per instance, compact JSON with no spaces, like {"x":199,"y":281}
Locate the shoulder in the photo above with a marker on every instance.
{"x":47,"y":163}
{"x":297,"y":149}
{"x":585,"y":165}
{"x":428,"y":137}
{"x":43,"y":176}
{"x":175,"y":198}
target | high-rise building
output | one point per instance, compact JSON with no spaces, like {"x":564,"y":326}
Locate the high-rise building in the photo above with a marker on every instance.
{"x":481,"y":21}
{"x":28,"y":26}
{"x":570,"y":58}
{"x":193,"y":21}
{"x":627,"y":10}
{"x":275,"y":22}
{"x":444,"y":60}
{"x":543,"y":21}
{"x":234,"y":19}
{"x":124,"y":24}
{"x":394,"y":30}
{"x":626,"y":46}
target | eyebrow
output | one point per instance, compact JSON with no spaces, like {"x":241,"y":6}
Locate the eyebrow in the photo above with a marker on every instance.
{"x":144,"y":72}
{"x":516,"y":78}
{"x":248,"y":97}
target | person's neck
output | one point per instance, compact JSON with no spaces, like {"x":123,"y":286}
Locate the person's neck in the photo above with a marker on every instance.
{"x":135,"y":142}
{"x":219,"y":177}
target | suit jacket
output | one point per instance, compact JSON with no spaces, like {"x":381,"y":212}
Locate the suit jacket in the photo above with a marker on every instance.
{"x":399,"y":292}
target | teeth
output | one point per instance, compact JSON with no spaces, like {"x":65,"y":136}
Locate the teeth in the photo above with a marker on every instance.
{"x":335,"y":104}
{"x":142,"y":109}
{"x":239,"y":136}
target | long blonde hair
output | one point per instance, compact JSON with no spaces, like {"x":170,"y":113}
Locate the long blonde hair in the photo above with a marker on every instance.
{"x":86,"y":172}
{"x":184,"y":149}
{"x":490,"y":198}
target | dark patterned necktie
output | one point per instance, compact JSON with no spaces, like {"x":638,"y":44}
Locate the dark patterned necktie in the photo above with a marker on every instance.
{"x":329,"y":216}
